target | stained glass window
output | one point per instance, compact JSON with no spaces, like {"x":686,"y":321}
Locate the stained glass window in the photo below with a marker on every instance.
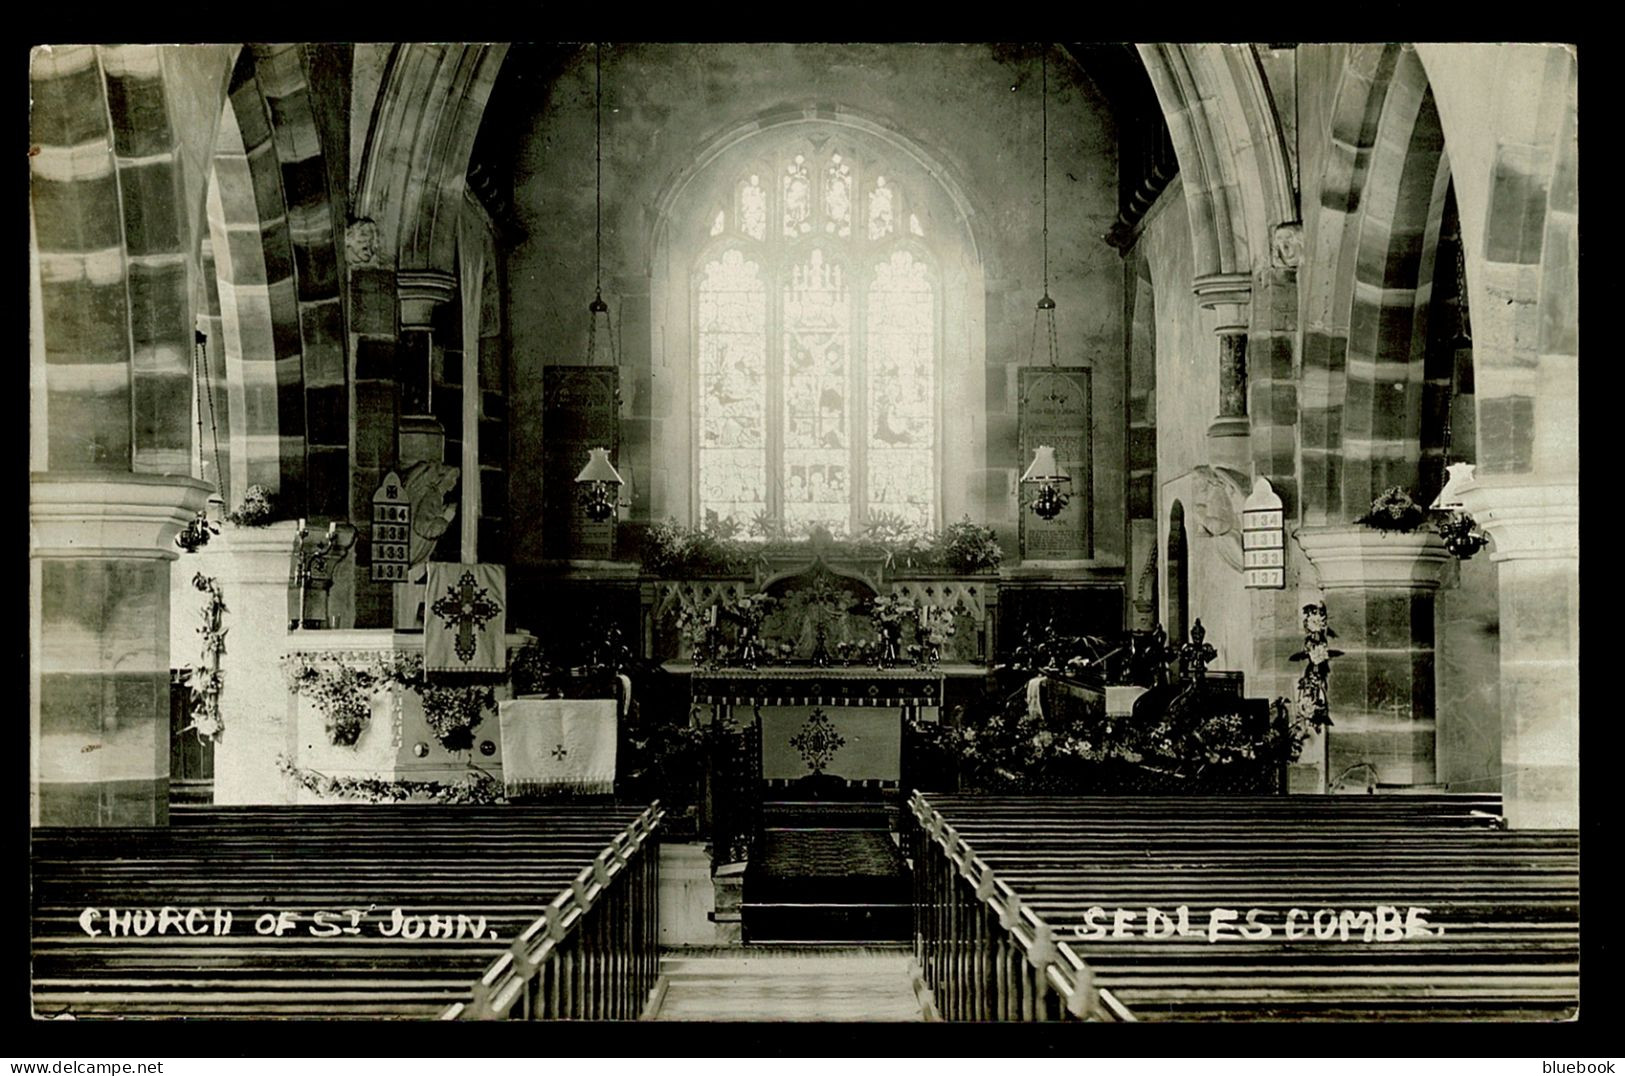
{"x":797,"y":198}
{"x":881,"y":223}
{"x":838,"y":197}
{"x":817,"y":443}
{"x":900,"y":361}
{"x":753,"y":208}
{"x":817,"y":351}
{"x":733,"y":388}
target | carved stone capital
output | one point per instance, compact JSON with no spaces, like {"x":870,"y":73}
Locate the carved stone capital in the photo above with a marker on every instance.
{"x":110,"y":515}
{"x":1362,"y":557}
{"x":419,"y":292}
{"x":1229,"y":296}
{"x":1528,"y":521}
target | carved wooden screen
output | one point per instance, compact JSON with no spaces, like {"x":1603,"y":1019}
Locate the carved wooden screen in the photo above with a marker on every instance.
{"x":1055,"y":411}
{"x":579,"y":413}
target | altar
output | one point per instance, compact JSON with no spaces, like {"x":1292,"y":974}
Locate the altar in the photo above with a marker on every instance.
{"x":835,"y":723}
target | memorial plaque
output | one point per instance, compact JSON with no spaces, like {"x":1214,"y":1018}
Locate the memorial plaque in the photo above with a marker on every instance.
{"x":1054,"y":411}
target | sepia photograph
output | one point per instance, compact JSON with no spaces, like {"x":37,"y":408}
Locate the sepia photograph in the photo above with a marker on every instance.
{"x":817,"y":533}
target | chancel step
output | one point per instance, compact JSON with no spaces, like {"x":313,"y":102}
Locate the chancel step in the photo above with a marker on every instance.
{"x":790,"y":983}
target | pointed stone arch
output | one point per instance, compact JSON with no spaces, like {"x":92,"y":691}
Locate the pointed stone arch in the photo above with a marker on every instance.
{"x":415,"y":163}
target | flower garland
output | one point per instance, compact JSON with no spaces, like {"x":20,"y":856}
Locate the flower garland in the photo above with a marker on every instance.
{"x":479,"y":787}
{"x":207,"y":681}
{"x":1311,"y":706}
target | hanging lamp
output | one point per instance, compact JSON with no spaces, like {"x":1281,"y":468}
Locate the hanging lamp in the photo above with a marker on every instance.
{"x":1047,"y":486}
{"x":599,"y":483}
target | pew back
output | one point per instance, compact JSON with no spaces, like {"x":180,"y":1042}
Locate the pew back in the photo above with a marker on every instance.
{"x":1303,"y":907}
{"x":345,"y":910}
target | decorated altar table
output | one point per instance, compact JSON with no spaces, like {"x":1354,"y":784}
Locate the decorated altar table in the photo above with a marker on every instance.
{"x":836,"y":722}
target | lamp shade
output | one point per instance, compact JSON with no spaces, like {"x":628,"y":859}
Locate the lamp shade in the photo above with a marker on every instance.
{"x":1044,"y":468}
{"x":1461,"y":479}
{"x":599,"y":469}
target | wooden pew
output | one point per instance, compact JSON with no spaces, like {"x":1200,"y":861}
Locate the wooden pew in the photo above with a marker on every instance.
{"x":1500,"y":939}
{"x":507,"y":864}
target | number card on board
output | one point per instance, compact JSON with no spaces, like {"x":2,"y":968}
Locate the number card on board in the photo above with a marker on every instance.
{"x":391,"y":531}
{"x":1263,"y":538}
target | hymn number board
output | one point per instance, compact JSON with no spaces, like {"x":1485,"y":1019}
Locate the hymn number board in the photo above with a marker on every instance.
{"x":391,"y":531}
{"x":1054,"y":410}
{"x":580,"y":412}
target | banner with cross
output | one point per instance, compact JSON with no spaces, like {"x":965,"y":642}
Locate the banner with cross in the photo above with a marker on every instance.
{"x":464,"y":621}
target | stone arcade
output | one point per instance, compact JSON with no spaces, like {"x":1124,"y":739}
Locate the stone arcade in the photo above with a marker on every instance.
{"x":1283,"y":339}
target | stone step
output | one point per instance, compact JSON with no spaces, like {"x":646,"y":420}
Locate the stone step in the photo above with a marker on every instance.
{"x":788,"y":984}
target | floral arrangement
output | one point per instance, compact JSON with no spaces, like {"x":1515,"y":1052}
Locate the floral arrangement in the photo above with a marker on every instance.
{"x":343,"y":692}
{"x":454,"y":712}
{"x":531,"y":670}
{"x":254,"y":510}
{"x":672,"y":550}
{"x":1394,"y":510}
{"x":752,"y":609}
{"x":675,"y":551}
{"x":207,"y":681}
{"x":968,"y":547}
{"x":478,"y":787}
{"x":933,"y":627}
{"x":1016,"y":751}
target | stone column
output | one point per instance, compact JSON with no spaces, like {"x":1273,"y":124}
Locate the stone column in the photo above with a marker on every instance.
{"x":1379,"y":591}
{"x":1537,"y":551}
{"x":251,"y":564}
{"x":1229,"y":296}
{"x":99,"y":563}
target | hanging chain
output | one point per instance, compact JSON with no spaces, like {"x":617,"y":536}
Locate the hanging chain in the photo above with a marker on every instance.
{"x":598,"y":144}
{"x":199,"y":363}
{"x":1046,"y":305}
{"x":1045,"y":110}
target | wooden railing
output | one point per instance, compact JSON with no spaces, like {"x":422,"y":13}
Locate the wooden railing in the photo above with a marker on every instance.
{"x":983,"y":954}
{"x":594,"y":953}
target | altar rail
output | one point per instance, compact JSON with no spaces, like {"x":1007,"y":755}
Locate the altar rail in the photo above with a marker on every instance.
{"x":490,"y":869}
{"x":1016,"y":898}
{"x":594,"y":953}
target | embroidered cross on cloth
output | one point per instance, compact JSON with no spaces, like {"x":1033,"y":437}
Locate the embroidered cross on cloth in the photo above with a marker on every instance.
{"x":558,"y":746}
{"x":464,"y":620}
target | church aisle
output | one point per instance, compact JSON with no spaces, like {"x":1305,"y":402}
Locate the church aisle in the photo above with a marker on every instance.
{"x":759,"y":983}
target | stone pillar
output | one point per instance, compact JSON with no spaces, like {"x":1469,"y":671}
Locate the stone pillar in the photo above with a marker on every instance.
{"x":1379,"y":590}
{"x":1537,"y":552}
{"x":99,"y":564}
{"x":1229,"y":296}
{"x":251,"y":564}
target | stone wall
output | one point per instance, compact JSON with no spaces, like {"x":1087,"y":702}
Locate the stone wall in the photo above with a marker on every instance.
{"x":972,"y":109}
